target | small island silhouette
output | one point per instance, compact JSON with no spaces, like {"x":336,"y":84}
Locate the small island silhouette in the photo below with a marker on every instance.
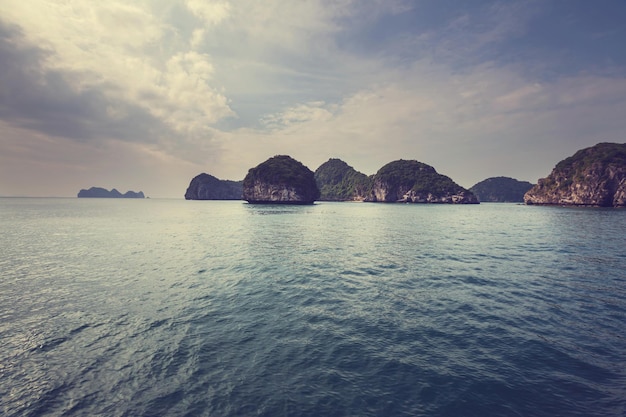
{"x":98,"y":192}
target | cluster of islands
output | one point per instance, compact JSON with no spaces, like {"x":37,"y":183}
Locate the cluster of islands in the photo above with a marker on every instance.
{"x":594,"y":176}
{"x":98,"y":192}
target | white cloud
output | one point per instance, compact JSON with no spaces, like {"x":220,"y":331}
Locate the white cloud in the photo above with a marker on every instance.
{"x":457,"y":123}
{"x":111,"y":47}
{"x":227,"y":84}
{"x":185,"y":85}
{"x":211,"y":12}
{"x":299,"y":114}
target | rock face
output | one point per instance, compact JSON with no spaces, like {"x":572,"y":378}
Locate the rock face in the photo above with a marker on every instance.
{"x":594,"y":176}
{"x":416,"y":182}
{"x":208,"y":187}
{"x":338,"y":181}
{"x":501,"y":190}
{"x":97,"y":192}
{"x":280,"y":180}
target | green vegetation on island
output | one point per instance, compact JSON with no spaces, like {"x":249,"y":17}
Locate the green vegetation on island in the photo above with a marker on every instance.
{"x":338,"y":181}
{"x":602,"y":153}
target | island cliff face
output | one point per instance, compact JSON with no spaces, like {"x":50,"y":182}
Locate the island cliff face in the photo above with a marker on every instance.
{"x":594,"y":176}
{"x":415,"y":182}
{"x":280,"y":180}
{"x":97,"y":192}
{"x":208,"y":187}
{"x":501,"y":190}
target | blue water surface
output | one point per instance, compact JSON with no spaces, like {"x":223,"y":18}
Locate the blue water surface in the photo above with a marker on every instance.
{"x":205,"y":308}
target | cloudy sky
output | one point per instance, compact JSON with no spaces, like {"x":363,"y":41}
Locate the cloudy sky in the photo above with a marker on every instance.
{"x":146,"y":94}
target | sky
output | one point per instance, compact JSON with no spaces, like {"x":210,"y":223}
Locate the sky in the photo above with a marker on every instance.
{"x":146,"y":94}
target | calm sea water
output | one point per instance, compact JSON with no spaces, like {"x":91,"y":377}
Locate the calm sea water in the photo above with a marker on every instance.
{"x":198,"y":308}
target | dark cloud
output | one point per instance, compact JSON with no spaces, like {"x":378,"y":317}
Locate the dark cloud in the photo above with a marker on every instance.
{"x":34,"y":96}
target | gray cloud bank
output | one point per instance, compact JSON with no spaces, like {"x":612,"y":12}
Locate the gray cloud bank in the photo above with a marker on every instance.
{"x":155,"y":92}
{"x":53,"y":102}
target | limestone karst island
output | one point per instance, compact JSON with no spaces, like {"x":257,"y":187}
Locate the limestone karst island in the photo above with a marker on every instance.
{"x":283,"y":180}
{"x":594,"y":176}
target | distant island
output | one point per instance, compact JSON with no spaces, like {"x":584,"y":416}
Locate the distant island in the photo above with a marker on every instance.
{"x":97,"y":192}
{"x":501,"y":190}
{"x":594,"y":176}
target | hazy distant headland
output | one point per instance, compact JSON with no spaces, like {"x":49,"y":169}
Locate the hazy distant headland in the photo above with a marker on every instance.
{"x":97,"y":192}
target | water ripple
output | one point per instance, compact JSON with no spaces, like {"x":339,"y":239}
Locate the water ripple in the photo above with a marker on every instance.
{"x":166,"y":308}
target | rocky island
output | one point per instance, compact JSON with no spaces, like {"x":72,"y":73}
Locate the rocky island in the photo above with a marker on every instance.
{"x":404,"y":181}
{"x":415,"y":182}
{"x":98,"y":192}
{"x":280,"y":180}
{"x":208,"y":187}
{"x":501,"y":190}
{"x":283,"y":180}
{"x":594,"y":176}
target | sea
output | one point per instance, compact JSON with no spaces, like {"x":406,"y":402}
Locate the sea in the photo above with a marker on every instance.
{"x":167,"y":307}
